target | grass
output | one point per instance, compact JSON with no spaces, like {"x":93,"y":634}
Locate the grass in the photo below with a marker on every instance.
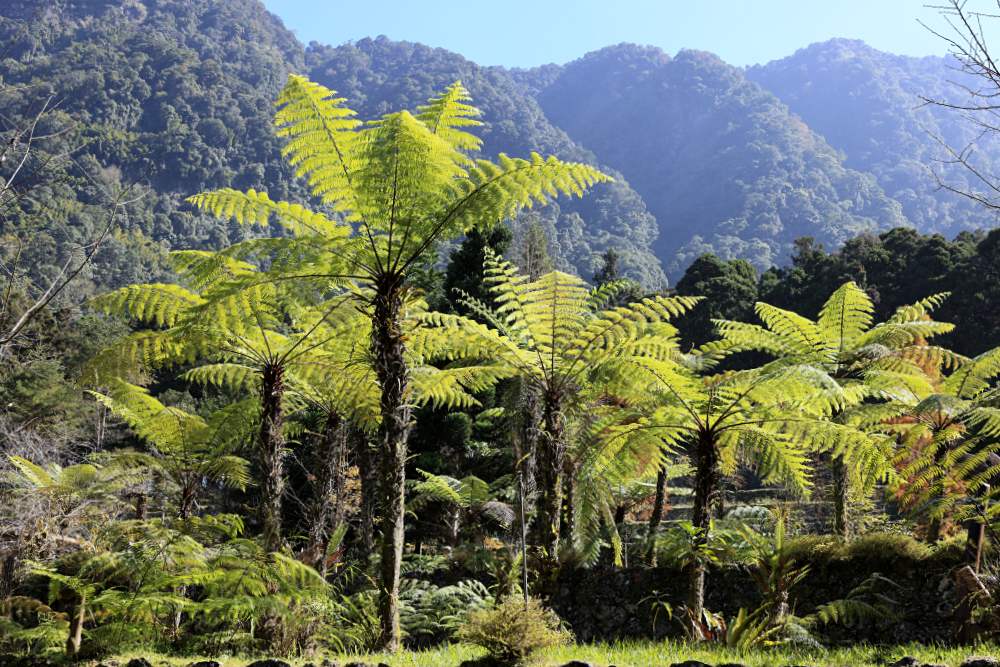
{"x":647,"y":654}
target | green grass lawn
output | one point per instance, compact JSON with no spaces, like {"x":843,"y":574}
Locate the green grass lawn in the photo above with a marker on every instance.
{"x":650,"y":654}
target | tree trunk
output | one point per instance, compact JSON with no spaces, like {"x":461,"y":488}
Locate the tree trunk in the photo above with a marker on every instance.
{"x":187,"y":499}
{"x":368,"y":471}
{"x":841,"y":485}
{"x":706,"y":484}
{"x":325,"y":507}
{"x":526,"y":445}
{"x":659,"y":503}
{"x":271,"y":452}
{"x":551,"y":454}
{"x":76,"y":627}
{"x":934,"y":525}
{"x":569,"y":501}
{"x":389,"y":354}
{"x":140,"y":506}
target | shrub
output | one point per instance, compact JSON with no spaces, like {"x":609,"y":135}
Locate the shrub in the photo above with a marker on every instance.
{"x":510,"y":633}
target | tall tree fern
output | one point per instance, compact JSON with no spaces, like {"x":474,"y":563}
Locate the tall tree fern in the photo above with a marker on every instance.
{"x":876,"y":366}
{"x":770,"y":418}
{"x":951,"y":453}
{"x":400,"y":185}
{"x":565,"y":342}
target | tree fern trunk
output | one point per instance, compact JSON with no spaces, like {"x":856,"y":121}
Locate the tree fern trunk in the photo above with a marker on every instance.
{"x":551,"y":453}
{"x":140,"y":506}
{"x":526,"y":440}
{"x":659,"y":502}
{"x":934,"y":525}
{"x":327,"y":491}
{"x":706,"y":484}
{"x":368,"y":471}
{"x":841,"y":526}
{"x":569,"y":501}
{"x":75,"y":638}
{"x":187,"y":500}
{"x":270,"y":452}
{"x":388,"y":352}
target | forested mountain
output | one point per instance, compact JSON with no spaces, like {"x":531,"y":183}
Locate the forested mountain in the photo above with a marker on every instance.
{"x":170,"y":97}
{"x":722,"y":164}
{"x":870,"y":106}
{"x":381,"y":75}
{"x":178,"y":95}
{"x":175,"y":95}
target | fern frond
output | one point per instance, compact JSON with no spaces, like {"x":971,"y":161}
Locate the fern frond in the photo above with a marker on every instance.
{"x":446,"y":114}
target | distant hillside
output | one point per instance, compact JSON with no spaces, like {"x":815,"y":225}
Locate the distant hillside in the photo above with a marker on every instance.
{"x":176,"y":95}
{"x":867,"y":104}
{"x":721,"y":163}
{"x":381,"y":75}
{"x":173,"y":95}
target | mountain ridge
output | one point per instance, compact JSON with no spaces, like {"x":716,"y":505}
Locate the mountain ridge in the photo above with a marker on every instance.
{"x":708,"y":157}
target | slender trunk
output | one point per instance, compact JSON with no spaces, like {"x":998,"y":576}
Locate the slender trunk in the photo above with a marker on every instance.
{"x":934,"y":525}
{"x":659,"y":502}
{"x":526,"y":445}
{"x":140,"y":506}
{"x":551,"y":453}
{"x":76,"y":627}
{"x":706,"y":484}
{"x":368,"y":471}
{"x":841,"y":485}
{"x":325,"y":507}
{"x":569,"y":501}
{"x":524,"y":539}
{"x":389,"y":354}
{"x":271,"y":452}
{"x":187,"y":499}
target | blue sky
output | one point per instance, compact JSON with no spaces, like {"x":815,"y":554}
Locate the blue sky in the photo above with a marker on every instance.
{"x":524,"y":33}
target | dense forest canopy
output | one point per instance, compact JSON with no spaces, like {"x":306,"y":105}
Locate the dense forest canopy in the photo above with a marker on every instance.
{"x":174,"y":96}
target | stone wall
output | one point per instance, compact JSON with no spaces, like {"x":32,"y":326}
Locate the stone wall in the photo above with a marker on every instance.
{"x":605,"y":604}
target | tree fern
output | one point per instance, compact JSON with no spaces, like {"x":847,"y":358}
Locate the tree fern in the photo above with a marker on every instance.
{"x":870,"y":363}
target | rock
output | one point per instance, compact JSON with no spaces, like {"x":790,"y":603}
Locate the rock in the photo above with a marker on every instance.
{"x":732,"y":664}
{"x":138,"y":662}
{"x":577,"y":663}
{"x":485,"y":661}
{"x":357,"y":664}
{"x":270,"y":662}
{"x":980,"y":661}
{"x":205,"y":663}
{"x":691,"y":663}
{"x":906,"y":661}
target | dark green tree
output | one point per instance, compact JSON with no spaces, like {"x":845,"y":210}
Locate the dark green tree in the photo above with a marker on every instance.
{"x":730,"y":291}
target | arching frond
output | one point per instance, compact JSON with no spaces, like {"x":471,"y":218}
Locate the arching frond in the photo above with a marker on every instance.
{"x":448,"y":113}
{"x":845,"y":316}
{"x":256,"y":208}
{"x":157,"y":304}
{"x":322,"y":139}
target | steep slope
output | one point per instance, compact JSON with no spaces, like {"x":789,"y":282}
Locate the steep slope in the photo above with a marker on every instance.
{"x":867,"y":104}
{"x":381,"y":75}
{"x":721,"y":163}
